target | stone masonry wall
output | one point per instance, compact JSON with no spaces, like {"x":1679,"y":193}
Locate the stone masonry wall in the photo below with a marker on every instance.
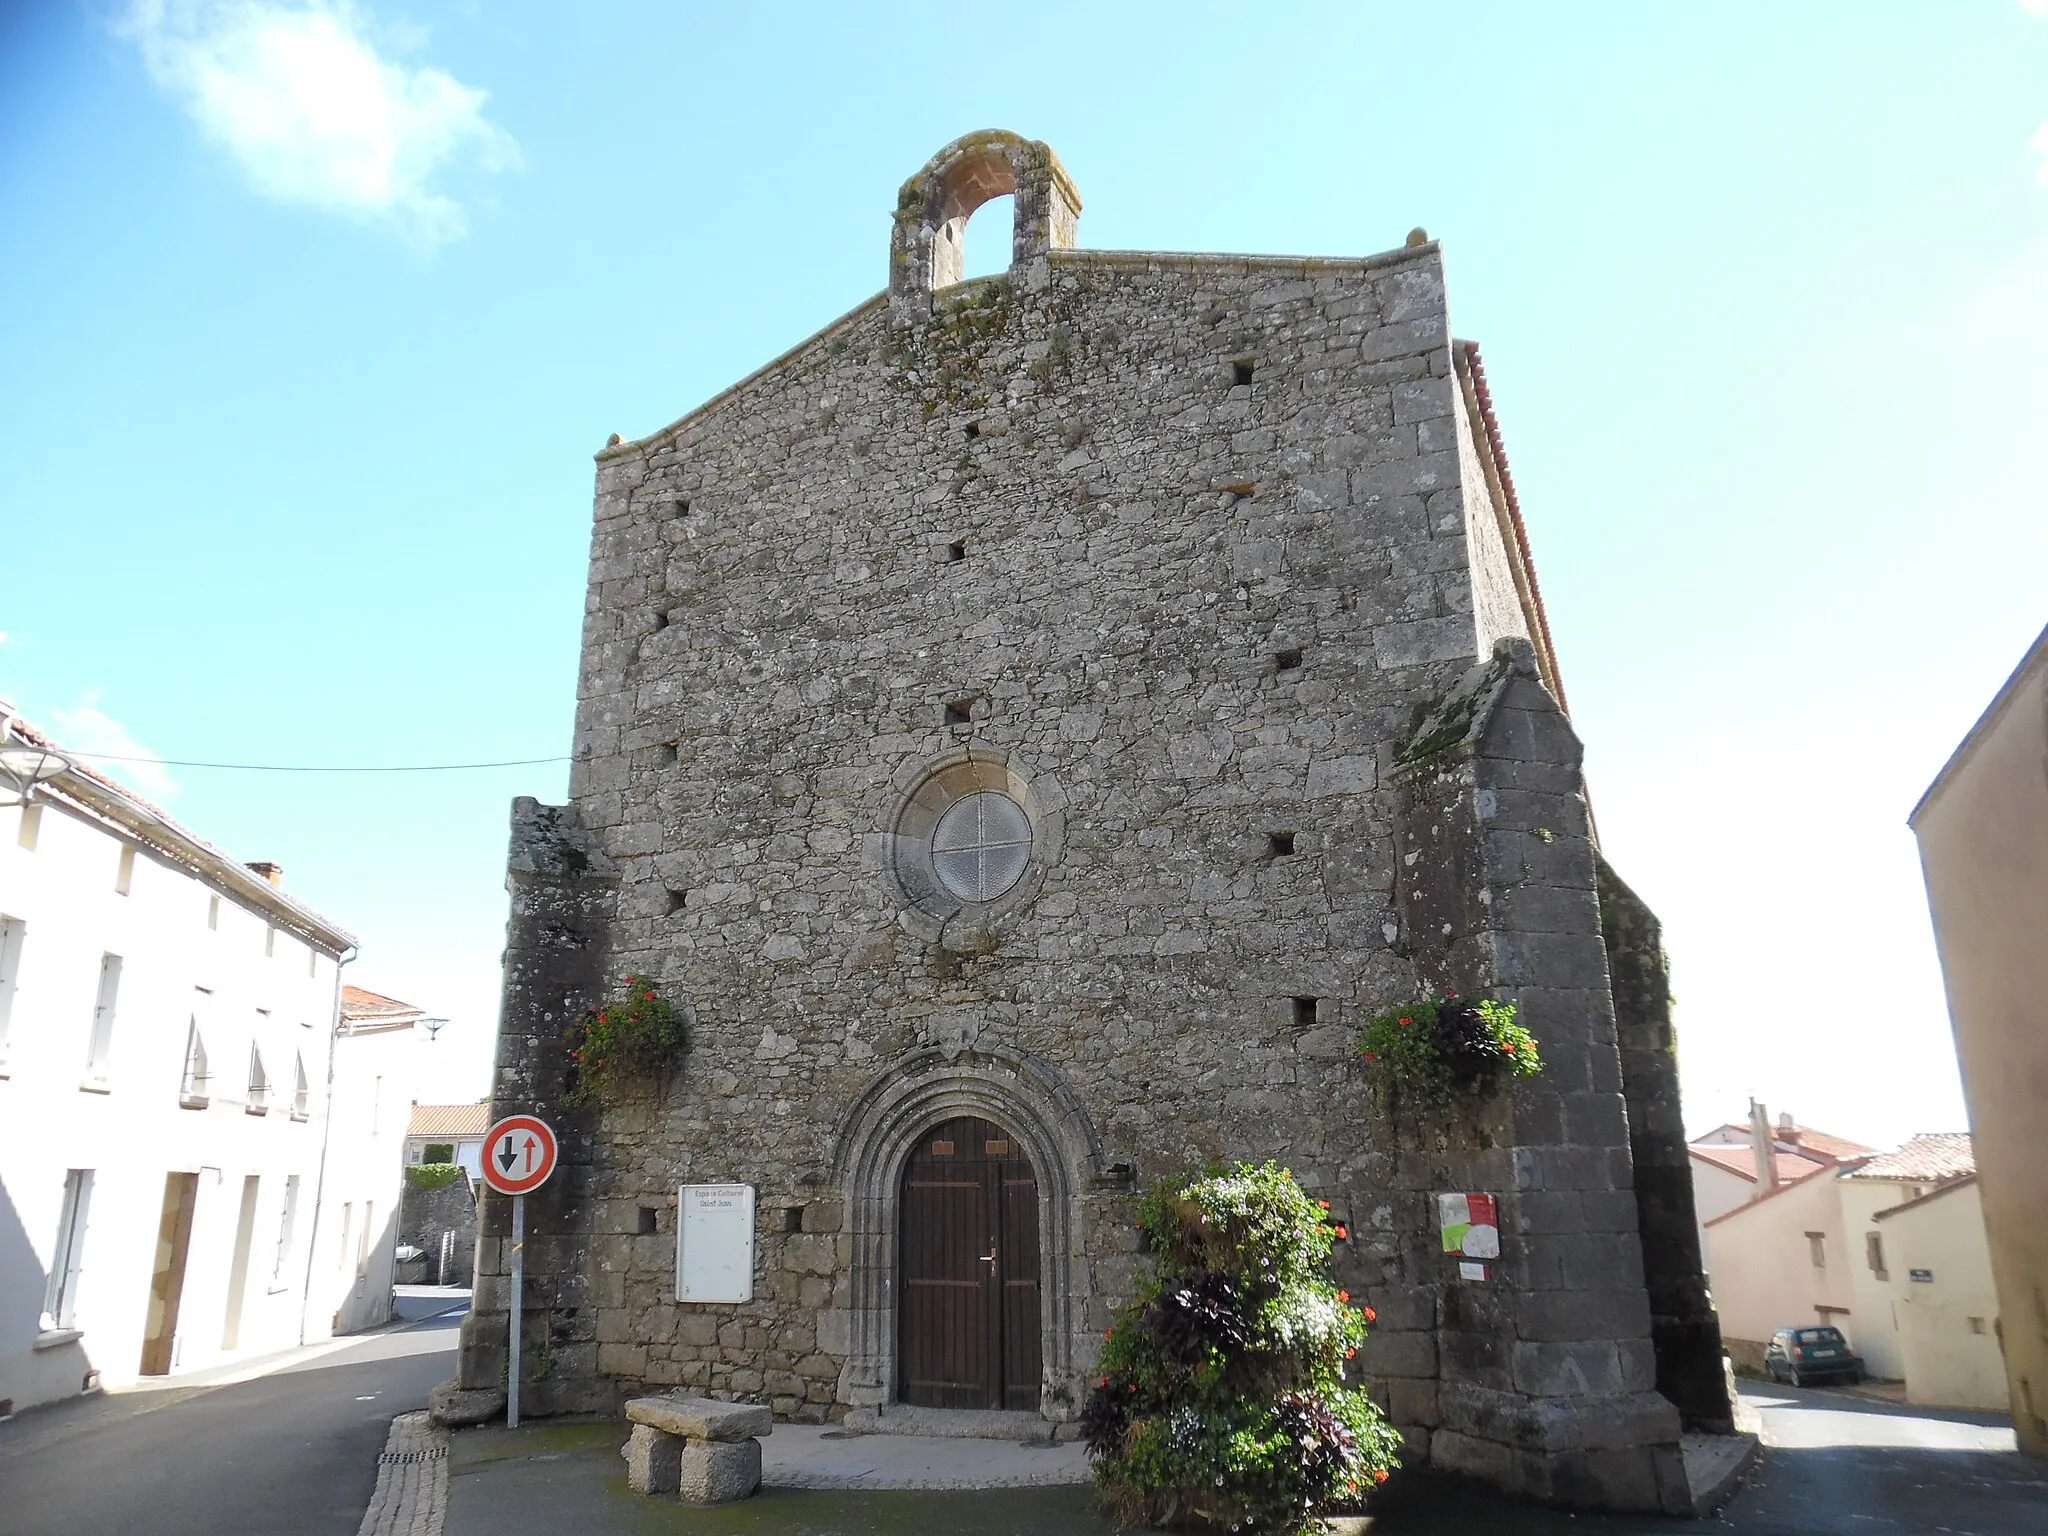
{"x":1145,"y":538}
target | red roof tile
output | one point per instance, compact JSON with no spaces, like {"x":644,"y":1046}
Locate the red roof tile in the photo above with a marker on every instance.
{"x":1741,"y":1162}
{"x":452,"y":1121}
{"x":359,"y":1003}
{"x":1924,"y":1159}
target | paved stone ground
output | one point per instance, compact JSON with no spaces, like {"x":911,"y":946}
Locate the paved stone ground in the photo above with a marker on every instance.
{"x":411,"y":1498}
{"x":1841,"y":1467}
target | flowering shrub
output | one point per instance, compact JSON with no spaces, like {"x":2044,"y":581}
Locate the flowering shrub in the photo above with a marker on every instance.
{"x":1431,"y":1047}
{"x":1222,"y":1399}
{"x":635,"y":1039}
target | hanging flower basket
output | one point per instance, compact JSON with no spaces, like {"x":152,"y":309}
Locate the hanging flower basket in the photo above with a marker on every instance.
{"x":632,"y":1043}
{"x":1435,"y":1048}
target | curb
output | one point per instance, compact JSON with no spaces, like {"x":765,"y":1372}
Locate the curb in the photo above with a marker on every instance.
{"x":412,"y":1481}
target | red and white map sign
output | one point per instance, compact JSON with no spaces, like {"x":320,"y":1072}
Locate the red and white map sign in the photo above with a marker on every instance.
{"x":519,"y":1154}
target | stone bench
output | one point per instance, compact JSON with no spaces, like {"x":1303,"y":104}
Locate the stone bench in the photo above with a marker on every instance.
{"x":703,"y":1451}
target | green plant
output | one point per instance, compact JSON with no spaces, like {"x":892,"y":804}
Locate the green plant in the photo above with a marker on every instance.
{"x":429,"y":1176}
{"x":1222,"y":1399}
{"x":1430,"y":1048}
{"x":633,"y":1041}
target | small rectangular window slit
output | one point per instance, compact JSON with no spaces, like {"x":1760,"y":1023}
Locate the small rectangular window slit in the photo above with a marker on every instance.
{"x":1241,"y":373}
{"x":956,"y":551}
{"x":973,"y":429}
{"x":1304,"y":1012}
{"x":792,"y":1218}
{"x":667,"y":753}
{"x":660,"y":619}
{"x":1288,"y":660}
{"x":1280,"y":844}
{"x":676,"y":901}
{"x":644,"y":1220}
{"x":960,"y":712}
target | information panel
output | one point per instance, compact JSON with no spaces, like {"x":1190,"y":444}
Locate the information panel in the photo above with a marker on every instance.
{"x":715,"y":1242}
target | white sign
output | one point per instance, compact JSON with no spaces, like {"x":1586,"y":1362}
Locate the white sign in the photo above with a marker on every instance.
{"x":715,"y":1242}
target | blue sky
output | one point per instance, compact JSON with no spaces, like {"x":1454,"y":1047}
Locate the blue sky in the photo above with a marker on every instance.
{"x":310,"y":320}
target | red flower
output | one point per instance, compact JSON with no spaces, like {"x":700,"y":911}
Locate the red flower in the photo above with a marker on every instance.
{"x":650,"y":997}
{"x":1343,"y":1232}
{"x":1105,"y":1381}
{"x":1371,"y":1316}
{"x":1107,"y":1332}
{"x":1508,"y":1046}
{"x":1406,"y":1022}
{"x":1380,"y":1476}
{"x":1343,"y":1295}
{"x":1322,"y":1205}
{"x":1350,"y":1354}
{"x":1370,"y":1057}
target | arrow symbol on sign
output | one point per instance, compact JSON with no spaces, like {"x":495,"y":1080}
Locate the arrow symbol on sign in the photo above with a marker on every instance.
{"x":508,"y":1157}
{"x":529,"y":1153}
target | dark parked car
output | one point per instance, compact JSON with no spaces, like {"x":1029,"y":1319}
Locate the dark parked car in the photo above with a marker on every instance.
{"x":1800,"y":1355}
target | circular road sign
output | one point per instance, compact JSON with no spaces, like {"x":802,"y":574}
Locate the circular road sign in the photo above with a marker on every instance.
{"x":519,"y":1154}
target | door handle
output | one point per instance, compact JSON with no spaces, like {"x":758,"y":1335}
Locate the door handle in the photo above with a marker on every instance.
{"x":990,"y":1256}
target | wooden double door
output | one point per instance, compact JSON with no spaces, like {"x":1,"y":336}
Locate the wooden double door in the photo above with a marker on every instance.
{"x":968,"y":1308}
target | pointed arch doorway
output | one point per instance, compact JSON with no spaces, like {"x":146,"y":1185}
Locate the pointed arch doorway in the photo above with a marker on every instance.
{"x":968,"y":1320}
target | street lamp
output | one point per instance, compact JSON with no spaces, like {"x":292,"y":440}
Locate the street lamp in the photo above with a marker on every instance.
{"x":23,"y":766}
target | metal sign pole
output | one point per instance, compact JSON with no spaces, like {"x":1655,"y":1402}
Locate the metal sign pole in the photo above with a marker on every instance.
{"x":518,"y":1307}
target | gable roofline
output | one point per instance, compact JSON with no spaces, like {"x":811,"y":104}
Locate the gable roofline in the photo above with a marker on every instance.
{"x":1764,"y":1199}
{"x":2035,"y":659}
{"x":1933,"y":1194}
{"x":1472,"y":373}
{"x":122,"y":812}
{"x":1131,"y":261}
{"x":1792,"y":1166}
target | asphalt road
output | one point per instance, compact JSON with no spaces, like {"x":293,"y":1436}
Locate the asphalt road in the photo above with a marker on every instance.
{"x":292,"y":1452}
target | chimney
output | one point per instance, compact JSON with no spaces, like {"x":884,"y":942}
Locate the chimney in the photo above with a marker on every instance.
{"x":1788,"y":1128}
{"x":274,"y":873}
{"x":1761,"y":1148}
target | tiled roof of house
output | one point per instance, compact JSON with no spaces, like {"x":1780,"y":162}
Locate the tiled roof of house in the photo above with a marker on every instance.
{"x":452,"y":1122}
{"x":1740,"y":1161}
{"x":1925,"y":1159}
{"x":359,"y":1003}
{"x":1832,"y":1148}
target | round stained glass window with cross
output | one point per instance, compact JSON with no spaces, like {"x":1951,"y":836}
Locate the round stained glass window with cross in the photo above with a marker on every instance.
{"x":981,"y":845}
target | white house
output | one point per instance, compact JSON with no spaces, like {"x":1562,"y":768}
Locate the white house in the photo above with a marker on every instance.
{"x":1866,"y":1246}
{"x":1727,"y":1171}
{"x":169,"y":1051}
{"x":449,"y":1133}
{"x":375,"y":1045}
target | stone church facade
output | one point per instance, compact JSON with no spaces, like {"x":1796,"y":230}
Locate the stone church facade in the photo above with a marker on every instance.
{"x":1034,"y":723}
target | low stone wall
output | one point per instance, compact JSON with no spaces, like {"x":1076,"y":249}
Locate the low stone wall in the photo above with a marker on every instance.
{"x":428,"y":1218}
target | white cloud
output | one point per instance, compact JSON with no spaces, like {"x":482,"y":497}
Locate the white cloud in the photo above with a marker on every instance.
{"x":314,"y":114}
{"x":85,"y":729}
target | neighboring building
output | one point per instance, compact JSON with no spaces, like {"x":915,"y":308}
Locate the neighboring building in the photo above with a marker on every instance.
{"x":166,"y":1018}
{"x":374,"y":1064}
{"x":1726,"y":1171}
{"x":1868,"y":1190}
{"x":1818,"y":1250}
{"x":1036,"y":722}
{"x":1983,"y":833}
{"x":1944,"y":1298}
{"x":449,"y":1133}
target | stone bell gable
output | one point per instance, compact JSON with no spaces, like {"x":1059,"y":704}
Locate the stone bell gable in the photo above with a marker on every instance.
{"x":1031,"y":726}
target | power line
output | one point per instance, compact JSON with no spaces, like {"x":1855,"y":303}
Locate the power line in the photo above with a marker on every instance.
{"x":174,"y":762}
